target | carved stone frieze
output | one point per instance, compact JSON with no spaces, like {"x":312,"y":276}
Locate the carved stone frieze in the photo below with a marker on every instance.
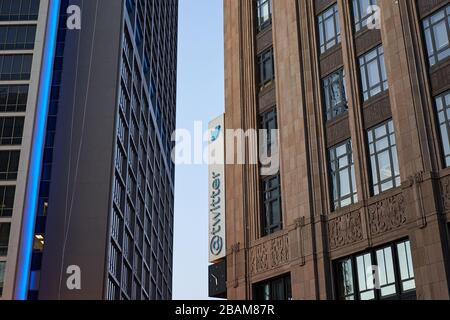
{"x":345,"y":229}
{"x":269,"y":255}
{"x":445,"y":192}
{"x":387,"y":214}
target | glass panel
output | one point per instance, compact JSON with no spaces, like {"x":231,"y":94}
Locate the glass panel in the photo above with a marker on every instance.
{"x":386,"y":271}
{"x":403,"y":261}
{"x":345,"y":183}
{"x":4,"y":238}
{"x":374,"y":76}
{"x":2,"y":276}
{"x":441,"y":36}
{"x":345,"y":274}
{"x":384,"y":163}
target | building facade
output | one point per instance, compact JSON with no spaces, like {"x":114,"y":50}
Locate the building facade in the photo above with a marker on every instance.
{"x":100,"y":194}
{"x":360,"y":207}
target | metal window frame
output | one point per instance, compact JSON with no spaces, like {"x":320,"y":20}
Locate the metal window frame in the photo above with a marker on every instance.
{"x":376,"y":153}
{"x":267,"y":230}
{"x":262,"y":25}
{"x":334,"y":111}
{"x":18,"y":44}
{"x":359,"y":16}
{"x":264,"y":58}
{"x":265,"y":118}
{"x":435,"y":54}
{"x":363,"y":63}
{"x":446,"y":123}
{"x":286,"y":280}
{"x":333,"y":159}
{"x":325,"y":45}
{"x":400,"y":293}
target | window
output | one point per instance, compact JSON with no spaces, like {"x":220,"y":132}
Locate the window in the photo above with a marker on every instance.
{"x":13,"y":10}
{"x":383,"y":157}
{"x":334,"y":94}
{"x":17,"y":37}
{"x":329,"y":29}
{"x":15,"y":67}
{"x":272,"y":219}
{"x":2,"y":276}
{"x":342,"y":173}
{"x":264,"y":13}
{"x":406,"y":266}
{"x":11,"y":130}
{"x":4,"y":238}
{"x":9,"y":164}
{"x":442,"y":104}
{"x":268,"y":123}
{"x":437,"y":33}
{"x":113,"y":290}
{"x":266,"y":67}
{"x":361,"y":12}
{"x":13,"y":98}
{"x":373,"y":73}
{"x":7,"y":200}
{"x":385,"y":273}
{"x":276,"y":289}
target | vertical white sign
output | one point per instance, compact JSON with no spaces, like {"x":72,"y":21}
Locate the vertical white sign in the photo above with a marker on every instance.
{"x":216,"y":190}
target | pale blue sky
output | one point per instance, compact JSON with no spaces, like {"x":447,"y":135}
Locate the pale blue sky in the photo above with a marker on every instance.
{"x":200,"y":98}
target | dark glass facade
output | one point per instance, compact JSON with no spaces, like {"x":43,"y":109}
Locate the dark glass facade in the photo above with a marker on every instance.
{"x":139,"y":191}
{"x":141,"y":245}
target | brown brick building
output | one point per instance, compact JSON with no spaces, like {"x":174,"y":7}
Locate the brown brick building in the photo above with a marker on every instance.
{"x":364,"y":120}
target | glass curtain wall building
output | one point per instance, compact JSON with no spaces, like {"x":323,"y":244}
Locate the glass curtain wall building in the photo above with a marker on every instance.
{"x":86,"y":179}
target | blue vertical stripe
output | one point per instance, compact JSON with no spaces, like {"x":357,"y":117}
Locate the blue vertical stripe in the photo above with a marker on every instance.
{"x":37,"y":150}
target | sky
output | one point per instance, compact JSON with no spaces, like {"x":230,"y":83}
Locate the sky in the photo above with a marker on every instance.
{"x":200,"y":97}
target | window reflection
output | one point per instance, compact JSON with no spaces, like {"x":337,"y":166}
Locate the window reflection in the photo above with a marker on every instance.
{"x":385,"y":273}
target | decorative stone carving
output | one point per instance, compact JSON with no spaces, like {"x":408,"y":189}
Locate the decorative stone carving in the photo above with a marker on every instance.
{"x":269,"y":255}
{"x":345,"y":229}
{"x":445,"y":188}
{"x":387,"y":214}
{"x":299,"y":226}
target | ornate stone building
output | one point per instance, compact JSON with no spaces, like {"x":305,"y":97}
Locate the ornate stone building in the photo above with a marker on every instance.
{"x":360,"y":208}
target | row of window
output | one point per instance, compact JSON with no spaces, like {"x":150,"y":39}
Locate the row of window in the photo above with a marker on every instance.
{"x":11,"y":130}
{"x":383,"y":163}
{"x":385,"y":273}
{"x":9,"y":164}
{"x":273,"y":290}
{"x":373,"y":74}
{"x":16,"y":10}
{"x":372,"y":66}
{"x":328,"y":20}
{"x":381,"y":139}
{"x":384,"y":167}
{"x":373,"y":82}
{"x":143,"y":233}
{"x":13,"y":98}
{"x":17,"y":37}
{"x":15,"y":67}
